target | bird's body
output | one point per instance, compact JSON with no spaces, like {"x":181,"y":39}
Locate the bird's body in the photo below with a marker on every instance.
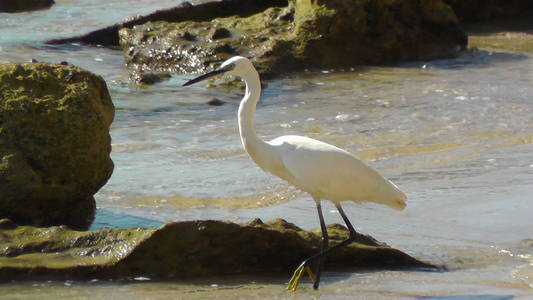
{"x":326,"y":172}
{"x":322,"y":170}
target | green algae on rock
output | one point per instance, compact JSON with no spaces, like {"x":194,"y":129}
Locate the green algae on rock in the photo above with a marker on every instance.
{"x":502,"y":34}
{"x":191,"y":249}
{"x":54,"y":143}
{"x":503,"y":41}
{"x":289,"y":35}
{"x":192,"y":47}
{"x":59,"y":246}
{"x":14,"y":6}
{"x":340,"y":32}
{"x":304,"y":34}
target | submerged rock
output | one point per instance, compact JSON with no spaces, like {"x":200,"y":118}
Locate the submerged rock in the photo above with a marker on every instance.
{"x":149,"y":78}
{"x":54,"y":143}
{"x":14,"y":6}
{"x":216,"y":102}
{"x":182,"y":250}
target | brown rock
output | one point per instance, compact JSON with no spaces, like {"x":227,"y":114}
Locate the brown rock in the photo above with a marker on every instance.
{"x":54,"y":143}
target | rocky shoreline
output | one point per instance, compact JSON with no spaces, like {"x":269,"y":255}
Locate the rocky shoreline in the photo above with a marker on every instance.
{"x":285,"y":36}
{"x":55,"y":143}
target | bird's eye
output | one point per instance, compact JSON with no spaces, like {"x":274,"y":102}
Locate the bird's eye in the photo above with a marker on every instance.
{"x":229,"y":67}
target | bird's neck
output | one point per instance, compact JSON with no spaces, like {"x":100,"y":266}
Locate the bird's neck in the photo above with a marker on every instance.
{"x":251,"y":142}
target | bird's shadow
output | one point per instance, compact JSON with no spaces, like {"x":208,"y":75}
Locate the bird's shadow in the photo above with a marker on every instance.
{"x":340,"y":274}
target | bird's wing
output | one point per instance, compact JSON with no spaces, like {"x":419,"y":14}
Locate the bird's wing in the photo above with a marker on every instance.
{"x":326,"y":171}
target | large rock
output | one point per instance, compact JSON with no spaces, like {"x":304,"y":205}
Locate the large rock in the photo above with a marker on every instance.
{"x":190,"y":249}
{"x":13,"y":6}
{"x":108,"y":36}
{"x":340,"y":32}
{"x":304,"y":34}
{"x":54,"y":143}
{"x":284,"y":35}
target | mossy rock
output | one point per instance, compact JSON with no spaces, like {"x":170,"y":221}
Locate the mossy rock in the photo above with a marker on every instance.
{"x":303,"y":34}
{"x":192,"y":249}
{"x":14,"y":6}
{"x":193,"y":47}
{"x":283,"y":36}
{"x":108,"y":36}
{"x":54,"y":143}
{"x":350,"y":32}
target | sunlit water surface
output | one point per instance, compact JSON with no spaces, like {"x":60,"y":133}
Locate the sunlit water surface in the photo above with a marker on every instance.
{"x":455,"y":135}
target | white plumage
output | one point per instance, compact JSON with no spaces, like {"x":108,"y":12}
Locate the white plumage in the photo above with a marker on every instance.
{"x":328,"y":172}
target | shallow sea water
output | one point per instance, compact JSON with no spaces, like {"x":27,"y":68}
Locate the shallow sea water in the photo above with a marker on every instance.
{"x":456,"y":135}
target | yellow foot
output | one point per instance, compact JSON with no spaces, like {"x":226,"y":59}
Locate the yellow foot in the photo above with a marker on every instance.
{"x":295,"y":279}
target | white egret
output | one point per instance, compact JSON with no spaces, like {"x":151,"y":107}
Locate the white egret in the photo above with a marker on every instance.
{"x":324,"y":171}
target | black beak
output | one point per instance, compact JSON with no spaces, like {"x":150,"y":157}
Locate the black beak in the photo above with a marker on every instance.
{"x":205,"y":76}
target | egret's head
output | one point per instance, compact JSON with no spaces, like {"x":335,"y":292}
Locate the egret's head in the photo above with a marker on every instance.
{"x":236,"y":66}
{"x":392,"y":196}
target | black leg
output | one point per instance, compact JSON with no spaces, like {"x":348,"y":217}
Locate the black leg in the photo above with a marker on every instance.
{"x":347,"y":241}
{"x":348,"y":224}
{"x":304,"y":267}
{"x":324,"y":243}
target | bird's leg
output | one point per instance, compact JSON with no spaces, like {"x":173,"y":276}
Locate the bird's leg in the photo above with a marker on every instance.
{"x":324,"y":243}
{"x":325,"y":251}
{"x":304,"y":267}
{"x":350,"y":239}
{"x":293,"y":283}
{"x":348,"y":224}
